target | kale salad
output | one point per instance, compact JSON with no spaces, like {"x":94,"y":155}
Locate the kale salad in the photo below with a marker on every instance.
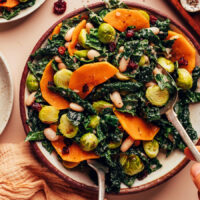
{"x":96,"y":89}
{"x":11,"y":8}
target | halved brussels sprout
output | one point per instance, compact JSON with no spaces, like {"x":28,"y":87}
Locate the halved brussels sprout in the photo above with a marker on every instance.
{"x":62,"y":77}
{"x":121,"y":76}
{"x":156,"y":96}
{"x":81,"y":53}
{"x":114,"y":145}
{"x":100,"y":105}
{"x":32,"y":83}
{"x":151,"y":148}
{"x":66,"y":127}
{"x":82,"y":38}
{"x":142,"y":61}
{"x":167,"y":64}
{"x":48,"y":114}
{"x":131,"y":164}
{"x":146,"y":15}
{"x":94,"y":121}
{"x":106,"y":33}
{"x":184,"y":79}
{"x":88,"y":142}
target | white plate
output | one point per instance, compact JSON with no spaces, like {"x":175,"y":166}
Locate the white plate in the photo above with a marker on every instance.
{"x":24,"y":13}
{"x":6,"y":93}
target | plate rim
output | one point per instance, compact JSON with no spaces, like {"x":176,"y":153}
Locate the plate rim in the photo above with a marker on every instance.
{"x":18,"y":17}
{"x":7,"y":68}
{"x":74,"y":184}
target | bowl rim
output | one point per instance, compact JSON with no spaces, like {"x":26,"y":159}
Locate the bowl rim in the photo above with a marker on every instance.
{"x":74,"y":184}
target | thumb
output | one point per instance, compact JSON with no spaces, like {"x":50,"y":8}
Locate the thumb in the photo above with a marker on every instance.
{"x":188,"y":153}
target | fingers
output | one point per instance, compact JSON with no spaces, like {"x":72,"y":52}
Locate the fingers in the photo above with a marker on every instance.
{"x":188,"y":153}
{"x":195,"y":173}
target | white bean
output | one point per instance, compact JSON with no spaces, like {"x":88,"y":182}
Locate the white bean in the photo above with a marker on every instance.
{"x":50,"y":134}
{"x":88,"y":26}
{"x":93,"y":54}
{"x":116,"y":99}
{"x":67,"y":45}
{"x":149,"y":84}
{"x":62,"y":66}
{"x":57,"y":59}
{"x":127,"y":143}
{"x":121,"y":49}
{"x":30,"y":100}
{"x":155,"y":30}
{"x":76,"y":107}
{"x":123,"y":64}
{"x":68,"y":35}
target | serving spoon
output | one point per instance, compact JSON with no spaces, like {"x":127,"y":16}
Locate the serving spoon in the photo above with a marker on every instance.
{"x":190,"y":7}
{"x":172,"y":117}
{"x":100,"y":170}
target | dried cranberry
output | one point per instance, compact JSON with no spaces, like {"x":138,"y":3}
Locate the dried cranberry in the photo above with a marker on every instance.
{"x":112,"y":46}
{"x":59,"y":7}
{"x":130,"y":33}
{"x":182,"y":62}
{"x":143,"y":175}
{"x":153,"y":19}
{"x":85,"y":88}
{"x":36,"y":106}
{"x":132,"y":65}
{"x":61,"y":50}
{"x":65,"y":150}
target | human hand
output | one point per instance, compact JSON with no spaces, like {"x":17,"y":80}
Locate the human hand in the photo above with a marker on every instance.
{"x":195,"y":169}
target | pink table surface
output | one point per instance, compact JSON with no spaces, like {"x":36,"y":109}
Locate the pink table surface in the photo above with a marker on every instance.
{"x":16,"y":42}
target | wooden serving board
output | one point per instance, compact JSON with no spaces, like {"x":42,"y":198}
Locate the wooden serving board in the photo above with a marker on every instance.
{"x":193,"y":19}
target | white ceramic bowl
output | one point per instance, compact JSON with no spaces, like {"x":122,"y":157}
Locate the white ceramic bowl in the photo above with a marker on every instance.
{"x":77,"y":179}
{"x":6,"y":93}
{"x":24,"y":13}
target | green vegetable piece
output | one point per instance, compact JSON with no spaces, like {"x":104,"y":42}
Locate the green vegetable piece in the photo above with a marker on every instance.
{"x":32,"y":83}
{"x":106,"y":33}
{"x":133,"y":165}
{"x":167,"y":64}
{"x":88,"y":142}
{"x":184,"y":79}
{"x":100,"y":105}
{"x":66,"y":127}
{"x":114,"y":145}
{"x":156,"y":96}
{"x":123,"y":158}
{"x":48,"y":114}
{"x":81,"y":53}
{"x":146,"y":15}
{"x":62,"y":77}
{"x":82,"y":38}
{"x":151,"y":148}
{"x":94,"y":121}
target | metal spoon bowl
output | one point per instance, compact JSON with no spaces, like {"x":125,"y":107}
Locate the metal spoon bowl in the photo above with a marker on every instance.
{"x":190,"y":8}
{"x":172,"y":117}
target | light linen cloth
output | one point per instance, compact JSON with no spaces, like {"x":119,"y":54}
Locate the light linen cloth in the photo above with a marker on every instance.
{"x":22,"y":177}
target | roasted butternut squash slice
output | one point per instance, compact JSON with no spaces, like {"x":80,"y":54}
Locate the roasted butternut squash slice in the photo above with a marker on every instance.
{"x":182,"y":48}
{"x":9,"y":3}
{"x":56,"y":31}
{"x":51,"y":97}
{"x":122,"y":18}
{"x":85,"y":78}
{"x":137,"y":127}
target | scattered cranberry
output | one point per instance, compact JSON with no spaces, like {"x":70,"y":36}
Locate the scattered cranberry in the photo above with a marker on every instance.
{"x":85,"y":88}
{"x":182,"y":62}
{"x":143,"y":175}
{"x":130,"y":33}
{"x":61,"y":50}
{"x":59,"y":7}
{"x":36,"y":106}
{"x":65,"y":150}
{"x":132,"y":65}
{"x":153,"y":19}
{"x":112,"y":46}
